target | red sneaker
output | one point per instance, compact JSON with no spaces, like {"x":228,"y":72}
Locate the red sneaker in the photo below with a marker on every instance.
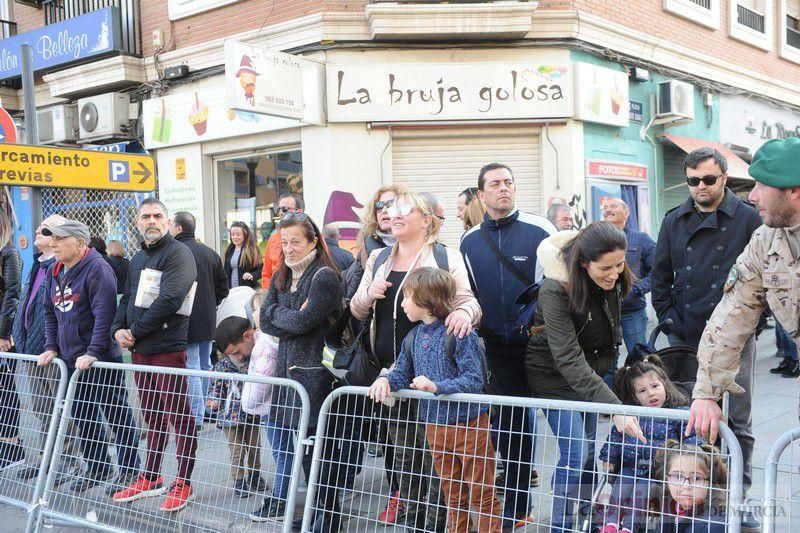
{"x":141,"y":488}
{"x":179,"y":495}
{"x":392,"y":511}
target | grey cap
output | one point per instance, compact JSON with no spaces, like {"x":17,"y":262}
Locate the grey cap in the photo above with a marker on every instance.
{"x":69,"y":228}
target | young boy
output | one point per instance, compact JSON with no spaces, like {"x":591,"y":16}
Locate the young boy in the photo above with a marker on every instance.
{"x":458,"y":433}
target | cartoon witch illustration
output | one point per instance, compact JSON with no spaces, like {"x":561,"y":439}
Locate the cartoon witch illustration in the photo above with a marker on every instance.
{"x":247,"y":79}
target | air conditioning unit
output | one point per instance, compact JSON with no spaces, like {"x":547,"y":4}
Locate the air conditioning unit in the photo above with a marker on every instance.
{"x":58,"y":124}
{"x":104,"y":116}
{"x":675,"y":100}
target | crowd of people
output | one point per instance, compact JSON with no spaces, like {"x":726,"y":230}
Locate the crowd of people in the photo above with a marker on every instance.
{"x":435,"y":319}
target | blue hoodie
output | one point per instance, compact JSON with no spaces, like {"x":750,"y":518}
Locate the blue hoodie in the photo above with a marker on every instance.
{"x":79,"y":307}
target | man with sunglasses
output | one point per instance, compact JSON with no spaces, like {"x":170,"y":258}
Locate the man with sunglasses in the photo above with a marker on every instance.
{"x":288,"y":203}
{"x":698,"y":244}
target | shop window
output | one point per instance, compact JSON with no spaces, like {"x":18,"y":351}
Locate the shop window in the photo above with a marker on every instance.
{"x":185,"y":8}
{"x":751,"y":21}
{"x":249,"y":188}
{"x":704,"y":12}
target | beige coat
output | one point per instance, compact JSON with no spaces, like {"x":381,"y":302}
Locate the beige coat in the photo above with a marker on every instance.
{"x":766,"y":273}
{"x":362,"y":303}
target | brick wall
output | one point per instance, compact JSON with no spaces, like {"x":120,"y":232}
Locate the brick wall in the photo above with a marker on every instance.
{"x":648,"y":16}
{"x":27,"y":18}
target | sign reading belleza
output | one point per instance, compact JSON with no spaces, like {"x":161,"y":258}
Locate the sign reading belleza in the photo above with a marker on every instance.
{"x":39,"y":166}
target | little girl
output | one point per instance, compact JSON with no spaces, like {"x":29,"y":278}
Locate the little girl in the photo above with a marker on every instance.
{"x":458,"y":433}
{"x":693,"y":499}
{"x":642,"y":383}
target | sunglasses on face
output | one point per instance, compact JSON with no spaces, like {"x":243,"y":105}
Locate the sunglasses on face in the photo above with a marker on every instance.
{"x":708,"y":180}
{"x":387,"y":204}
{"x":397,"y":210}
{"x":285,"y":210}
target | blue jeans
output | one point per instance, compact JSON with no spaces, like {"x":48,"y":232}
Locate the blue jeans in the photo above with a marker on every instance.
{"x":785,"y":343}
{"x":573,"y":479}
{"x":198,"y":357}
{"x":281,"y":439}
{"x":634,"y":328}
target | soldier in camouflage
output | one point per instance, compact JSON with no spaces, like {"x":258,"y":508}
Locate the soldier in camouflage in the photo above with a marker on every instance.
{"x":766,"y":273}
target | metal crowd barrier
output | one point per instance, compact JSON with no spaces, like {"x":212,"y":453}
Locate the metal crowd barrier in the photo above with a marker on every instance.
{"x":228,"y":461}
{"x":30,"y":404}
{"x":478,"y":475}
{"x":782,"y":484}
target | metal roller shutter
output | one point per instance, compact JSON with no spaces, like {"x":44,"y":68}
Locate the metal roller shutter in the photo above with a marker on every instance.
{"x":447,"y":162}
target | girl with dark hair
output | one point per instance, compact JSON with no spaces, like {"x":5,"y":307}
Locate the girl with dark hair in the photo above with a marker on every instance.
{"x":576,"y":334}
{"x":644,"y":383}
{"x":243,"y":260}
{"x":304,"y":295}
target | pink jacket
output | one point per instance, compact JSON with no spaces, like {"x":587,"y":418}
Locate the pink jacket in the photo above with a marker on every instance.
{"x":361,"y":303}
{"x":256,"y":397}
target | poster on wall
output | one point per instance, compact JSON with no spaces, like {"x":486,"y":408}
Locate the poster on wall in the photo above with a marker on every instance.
{"x":180,"y":182}
{"x":263,"y":81}
{"x":448,"y":91}
{"x":643,"y":197}
{"x":601,"y":95}
{"x":600,"y":194}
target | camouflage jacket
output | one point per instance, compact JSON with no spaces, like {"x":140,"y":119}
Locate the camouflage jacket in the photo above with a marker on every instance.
{"x":766,"y":273}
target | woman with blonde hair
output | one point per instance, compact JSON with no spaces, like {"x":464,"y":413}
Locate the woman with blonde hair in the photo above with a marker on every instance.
{"x":416,"y":230}
{"x":243,"y":261}
{"x":473,"y":215}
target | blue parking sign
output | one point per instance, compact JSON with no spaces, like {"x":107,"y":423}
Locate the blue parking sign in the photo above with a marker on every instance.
{"x":119,"y":172}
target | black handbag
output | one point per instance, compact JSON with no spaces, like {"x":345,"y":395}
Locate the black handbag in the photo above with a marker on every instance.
{"x":352,"y":364}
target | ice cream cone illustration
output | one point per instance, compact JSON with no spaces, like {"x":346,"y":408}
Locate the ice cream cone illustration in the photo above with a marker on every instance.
{"x":198,"y":116}
{"x":616,"y":99}
{"x":162,"y":126}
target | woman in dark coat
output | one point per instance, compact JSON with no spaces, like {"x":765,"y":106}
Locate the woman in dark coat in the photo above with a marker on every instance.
{"x":304,"y":295}
{"x":11,"y":451}
{"x":577,"y":332}
{"x":243,"y":261}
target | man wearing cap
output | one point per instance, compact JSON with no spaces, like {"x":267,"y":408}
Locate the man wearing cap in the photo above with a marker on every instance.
{"x":79,"y":303}
{"x":766,"y":273}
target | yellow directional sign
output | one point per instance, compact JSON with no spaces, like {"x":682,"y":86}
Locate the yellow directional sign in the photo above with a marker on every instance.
{"x":43,"y":166}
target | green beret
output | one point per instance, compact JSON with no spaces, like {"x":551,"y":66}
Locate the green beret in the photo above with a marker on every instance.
{"x":777,"y":163}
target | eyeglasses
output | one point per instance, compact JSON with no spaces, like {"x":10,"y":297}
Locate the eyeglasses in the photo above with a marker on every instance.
{"x":387,"y":204}
{"x":404,"y":210}
{"x":300,"y":217}
{"x":676,"y":478}
{"x":285,"y":210}
{"x":708,"y":180}
{"x":440,"y":217}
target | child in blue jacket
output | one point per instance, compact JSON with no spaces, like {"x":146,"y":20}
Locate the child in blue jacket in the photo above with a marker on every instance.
{"x":642,"y":383}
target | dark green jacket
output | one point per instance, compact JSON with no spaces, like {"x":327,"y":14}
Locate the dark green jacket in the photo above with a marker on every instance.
{"x":567,"y":359}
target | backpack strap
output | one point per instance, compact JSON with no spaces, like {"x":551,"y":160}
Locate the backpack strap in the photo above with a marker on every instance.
{"x":383,"y":256}
{"x":440,"y":255}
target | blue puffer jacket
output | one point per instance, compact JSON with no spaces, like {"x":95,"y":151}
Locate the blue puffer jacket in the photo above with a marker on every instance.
{"x":631,"y":453}
{"x":639,"y":256}
{"x":30,"y":340}
{"x":517,"y":236}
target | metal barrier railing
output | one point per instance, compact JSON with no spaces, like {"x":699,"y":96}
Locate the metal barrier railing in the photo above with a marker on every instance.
{"x":781,"y":503}
{"x":30,"y":405}
{"x":451,"y":466}
{"x":221,"y":462}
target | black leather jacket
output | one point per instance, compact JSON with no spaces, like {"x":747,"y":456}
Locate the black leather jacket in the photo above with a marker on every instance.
{"x":10,"y":288}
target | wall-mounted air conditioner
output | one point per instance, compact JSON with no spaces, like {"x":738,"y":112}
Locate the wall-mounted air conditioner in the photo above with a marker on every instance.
{"x":675,"y":101}
{"x":58,"y":124}
{"x":104,"y":116}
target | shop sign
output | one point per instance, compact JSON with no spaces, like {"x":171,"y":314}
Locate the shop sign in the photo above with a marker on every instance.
{"x":601,"y":95}
{"x":263,"y":81}
{"x":750,"y":122}
{"x":63,"y":42}
{"x":448,"y":91}
{"x":203,"y":115}
{"x":636,"y":114}
{"x":180,"y":182}
{"x":615,"y":170}
{"x":8,"y":130}
{"x":38,"y":166}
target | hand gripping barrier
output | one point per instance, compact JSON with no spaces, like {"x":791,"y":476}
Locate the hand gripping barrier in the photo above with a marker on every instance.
{"x":466,"y":461}
{"x":145,"y":464}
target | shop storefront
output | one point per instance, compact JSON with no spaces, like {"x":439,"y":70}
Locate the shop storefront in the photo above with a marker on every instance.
{"x":748,"y":122}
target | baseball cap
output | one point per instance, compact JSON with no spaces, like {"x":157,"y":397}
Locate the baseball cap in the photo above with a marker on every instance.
{"x":69,"y":228}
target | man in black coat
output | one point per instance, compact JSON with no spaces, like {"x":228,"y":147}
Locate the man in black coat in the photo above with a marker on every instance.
{"x":342,"y":258}
{"x":156,"y":334}
{"x":212,"y":288}
{"x":698,"y":244}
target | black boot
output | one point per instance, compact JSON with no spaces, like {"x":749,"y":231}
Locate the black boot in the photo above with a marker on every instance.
{"x":793,"y":371}
{"x":781,"y":368}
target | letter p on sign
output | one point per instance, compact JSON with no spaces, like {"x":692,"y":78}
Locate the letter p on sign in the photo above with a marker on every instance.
{"x":119,"y":172}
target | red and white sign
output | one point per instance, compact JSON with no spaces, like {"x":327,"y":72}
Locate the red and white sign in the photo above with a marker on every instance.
{"x":615,"y":170}
{"x":8,"y":130}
